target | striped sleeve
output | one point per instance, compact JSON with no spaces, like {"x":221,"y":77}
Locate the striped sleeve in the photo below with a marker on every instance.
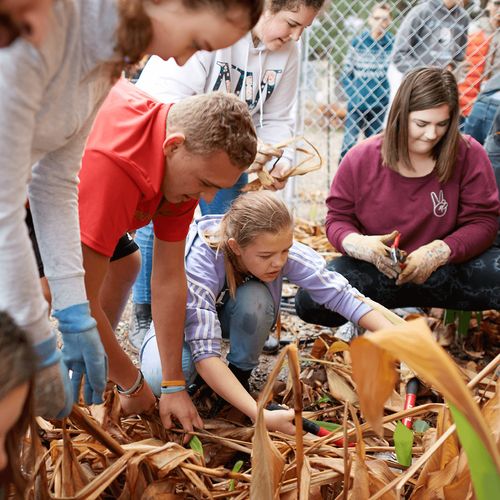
{"x":307,"y":269}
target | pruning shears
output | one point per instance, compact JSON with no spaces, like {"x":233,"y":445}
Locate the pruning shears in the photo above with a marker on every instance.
{"x":411,"y":396}
{"x":311,"y":426}
{"x":397,"y":255}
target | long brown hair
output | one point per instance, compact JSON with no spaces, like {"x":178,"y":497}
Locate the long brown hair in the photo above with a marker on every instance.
{"x":250,"y":214}
{"x":135,"y":32}
{"x":17,"y":367}
{"x":423,"y":88}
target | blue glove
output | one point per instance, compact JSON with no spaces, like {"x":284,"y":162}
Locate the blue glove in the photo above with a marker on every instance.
{"x":46,"y":381}
{"x":83,"y":351}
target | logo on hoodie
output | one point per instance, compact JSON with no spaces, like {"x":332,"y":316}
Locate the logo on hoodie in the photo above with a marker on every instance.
{"x":440,"y":205}
{"x":246,"y":83}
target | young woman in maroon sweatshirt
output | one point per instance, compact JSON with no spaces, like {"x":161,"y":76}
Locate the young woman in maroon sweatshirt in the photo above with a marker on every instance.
{"x":435,"y":188}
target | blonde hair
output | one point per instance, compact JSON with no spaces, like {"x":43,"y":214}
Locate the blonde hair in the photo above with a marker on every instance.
{"x":250,"y":214}
{"x":216,"y":122}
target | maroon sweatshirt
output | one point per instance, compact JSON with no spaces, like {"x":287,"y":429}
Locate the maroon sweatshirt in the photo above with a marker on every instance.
{"x":368,"y":198}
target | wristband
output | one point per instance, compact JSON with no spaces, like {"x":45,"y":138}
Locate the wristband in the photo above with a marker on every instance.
{"x":139,"y":383}
{"x":172,"y":383}
{"x":173,"y":389}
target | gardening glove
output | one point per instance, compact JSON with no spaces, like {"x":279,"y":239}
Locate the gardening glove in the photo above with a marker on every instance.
{"x":83,"y":351}
{"x":265,"y":153}
{"x":53,"y":392}
{"x":373,"y":249}
{"x":423,"y":261}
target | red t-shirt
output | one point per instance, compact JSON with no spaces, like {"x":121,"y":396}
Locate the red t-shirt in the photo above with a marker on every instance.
{"x":122,"y":173}
{"x":368,"y":198}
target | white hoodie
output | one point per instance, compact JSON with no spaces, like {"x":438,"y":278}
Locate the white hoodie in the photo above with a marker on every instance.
{"x":247,"y":71}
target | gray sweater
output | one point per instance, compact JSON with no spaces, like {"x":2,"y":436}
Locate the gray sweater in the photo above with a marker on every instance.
{"x":48,"y":100}
{"x":431,"y":35}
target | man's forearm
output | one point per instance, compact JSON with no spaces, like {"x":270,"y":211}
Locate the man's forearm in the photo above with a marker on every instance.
{"x":169,"y":312}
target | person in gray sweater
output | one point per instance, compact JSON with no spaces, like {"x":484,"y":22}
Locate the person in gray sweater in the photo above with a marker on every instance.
{"x":434,"y":33}
{"x":49,"y":95}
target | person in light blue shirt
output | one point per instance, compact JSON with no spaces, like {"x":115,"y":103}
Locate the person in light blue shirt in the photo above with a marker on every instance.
{"x":364,"y":78}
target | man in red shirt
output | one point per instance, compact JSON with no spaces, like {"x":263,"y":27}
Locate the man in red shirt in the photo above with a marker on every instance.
{"x":146,"y":161}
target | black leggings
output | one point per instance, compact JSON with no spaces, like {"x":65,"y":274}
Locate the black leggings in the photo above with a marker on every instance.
{"x":470,"y":286}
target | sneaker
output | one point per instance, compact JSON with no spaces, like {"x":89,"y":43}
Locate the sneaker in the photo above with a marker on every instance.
{"x":271,"y":346}
{"x":139,"y":325}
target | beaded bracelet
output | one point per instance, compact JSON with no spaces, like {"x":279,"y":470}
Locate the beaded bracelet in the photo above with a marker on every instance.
{"x":172,"y":383}
{"x":172,"y":389}
{"x":138,"y":385}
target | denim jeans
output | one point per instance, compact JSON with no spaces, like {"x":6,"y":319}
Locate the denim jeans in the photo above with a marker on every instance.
{"x":370,"y":121}
{"x":471,"y":286}
{"x":141,"y":291}
{"x":224,"y":197}
{"x":478,"y":123}
{"x":245,"y":320}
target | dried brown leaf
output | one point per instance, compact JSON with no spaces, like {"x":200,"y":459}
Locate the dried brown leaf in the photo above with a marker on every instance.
{"x":267,"y":461}
{"x":373,"y":371}
{"x":413,"y":344}
{"x":339,"y":388}
{"x":169,"y":457}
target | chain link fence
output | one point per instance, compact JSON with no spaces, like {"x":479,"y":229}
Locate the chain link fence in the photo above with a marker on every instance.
{"x":353,"y":57}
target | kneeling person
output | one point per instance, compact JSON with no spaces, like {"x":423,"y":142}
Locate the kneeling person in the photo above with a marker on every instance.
{"x":235,"y":265}
{"x":145,"y":161}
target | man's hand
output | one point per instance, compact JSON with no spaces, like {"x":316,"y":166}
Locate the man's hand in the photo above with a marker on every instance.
{"x":423,"y":261}
{"x":179,"y":406}
{"x":373,"y":249}
{"x":144,"y":402}
{"x":280,"y":420}
{"x":83,"y":352}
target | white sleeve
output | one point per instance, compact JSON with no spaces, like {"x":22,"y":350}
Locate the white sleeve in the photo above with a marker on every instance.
{"x":22,"y":83}
{"x":278,"y":119}
{"x":53,"y":195}
{"x":169,"y":82}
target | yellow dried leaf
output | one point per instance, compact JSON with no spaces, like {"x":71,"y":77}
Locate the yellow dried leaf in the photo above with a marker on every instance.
{"x":373,"y":371}
{"x":413,"y":344}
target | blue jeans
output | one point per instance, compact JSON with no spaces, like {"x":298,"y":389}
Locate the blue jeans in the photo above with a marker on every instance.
{"x":370,"y":121}
{"x":478,"y":123}
{"x":141,"y":291}
{"x":245,"y":321}
{"x":223,"y":199}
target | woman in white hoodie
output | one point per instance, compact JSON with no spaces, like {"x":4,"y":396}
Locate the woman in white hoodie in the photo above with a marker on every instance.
{"x":262,"y":68}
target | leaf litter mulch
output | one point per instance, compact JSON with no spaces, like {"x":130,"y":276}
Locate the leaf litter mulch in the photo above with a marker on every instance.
{"x":353,"y":391}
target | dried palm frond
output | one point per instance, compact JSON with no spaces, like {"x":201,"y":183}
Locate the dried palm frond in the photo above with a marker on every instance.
{"x":310,"y":160}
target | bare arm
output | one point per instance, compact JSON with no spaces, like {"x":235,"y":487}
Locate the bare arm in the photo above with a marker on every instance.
{"x":169,"y":295}
{"x":222,"y":380}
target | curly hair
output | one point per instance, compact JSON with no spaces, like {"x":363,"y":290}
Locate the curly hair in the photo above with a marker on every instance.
{"x":216,"y":122}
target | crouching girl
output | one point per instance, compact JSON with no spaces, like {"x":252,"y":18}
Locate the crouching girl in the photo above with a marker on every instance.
{"x":235,"y":265}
